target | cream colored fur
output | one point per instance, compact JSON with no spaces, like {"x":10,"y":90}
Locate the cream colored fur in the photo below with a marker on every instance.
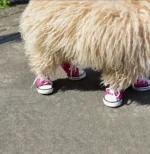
{"x":112,"y":36}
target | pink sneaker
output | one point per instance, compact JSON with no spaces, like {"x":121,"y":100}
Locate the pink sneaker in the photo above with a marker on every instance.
{"x":73,"y":73}
{"x":112,"y":98}
{"x":44,"y":85}
{"x":142,"y":84}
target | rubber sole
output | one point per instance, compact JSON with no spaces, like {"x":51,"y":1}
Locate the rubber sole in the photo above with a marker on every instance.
{"x":142,"y":88}
{"x":78,"y":78}
{"x":112,"y":104}
{"x":44,"y":91}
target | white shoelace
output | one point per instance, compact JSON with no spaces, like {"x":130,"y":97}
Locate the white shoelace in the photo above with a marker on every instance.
{"x":141,"y":79}
{"x":72,"y":69}
{"x":42,"y":78}
{"x":113,"y":91}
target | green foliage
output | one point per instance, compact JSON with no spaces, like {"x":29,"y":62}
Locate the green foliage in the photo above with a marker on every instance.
{"x":4,"y":3}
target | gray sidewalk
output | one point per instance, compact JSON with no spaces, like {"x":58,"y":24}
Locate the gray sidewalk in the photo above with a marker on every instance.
{"x":71,"y":121}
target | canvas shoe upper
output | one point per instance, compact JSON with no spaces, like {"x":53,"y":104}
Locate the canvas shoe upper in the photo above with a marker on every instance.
{"x":142,"y":84}
{"x":44,"y":85}
{"x":112,"y":98}
{"x":73,"y":72}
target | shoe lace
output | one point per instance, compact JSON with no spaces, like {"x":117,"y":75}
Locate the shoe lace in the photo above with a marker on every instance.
{"x":143,"y":79}
{"x":42,"y":78}
{"x":72,"y":69}
{"x":113,"y":91}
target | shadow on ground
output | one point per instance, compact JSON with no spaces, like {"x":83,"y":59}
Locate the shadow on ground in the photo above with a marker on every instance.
{"x":141,"y":98}
{"x":92,"y":83}
{"x":10,"y":37}
{"x":18,"y":2}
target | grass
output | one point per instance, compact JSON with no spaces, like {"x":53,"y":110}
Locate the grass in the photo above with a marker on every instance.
{"x":4,"y":3}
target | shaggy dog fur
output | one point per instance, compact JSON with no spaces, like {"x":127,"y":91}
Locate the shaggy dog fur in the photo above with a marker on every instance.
{"x":112,"y":36}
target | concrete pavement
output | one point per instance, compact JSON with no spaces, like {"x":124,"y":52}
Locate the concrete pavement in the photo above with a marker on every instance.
{"x":71,"y":121}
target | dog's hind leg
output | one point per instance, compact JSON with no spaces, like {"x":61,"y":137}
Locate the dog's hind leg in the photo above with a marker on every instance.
{"x":42,"y":63}
{"x":117,"y":82}
{"x":43,"y":66}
